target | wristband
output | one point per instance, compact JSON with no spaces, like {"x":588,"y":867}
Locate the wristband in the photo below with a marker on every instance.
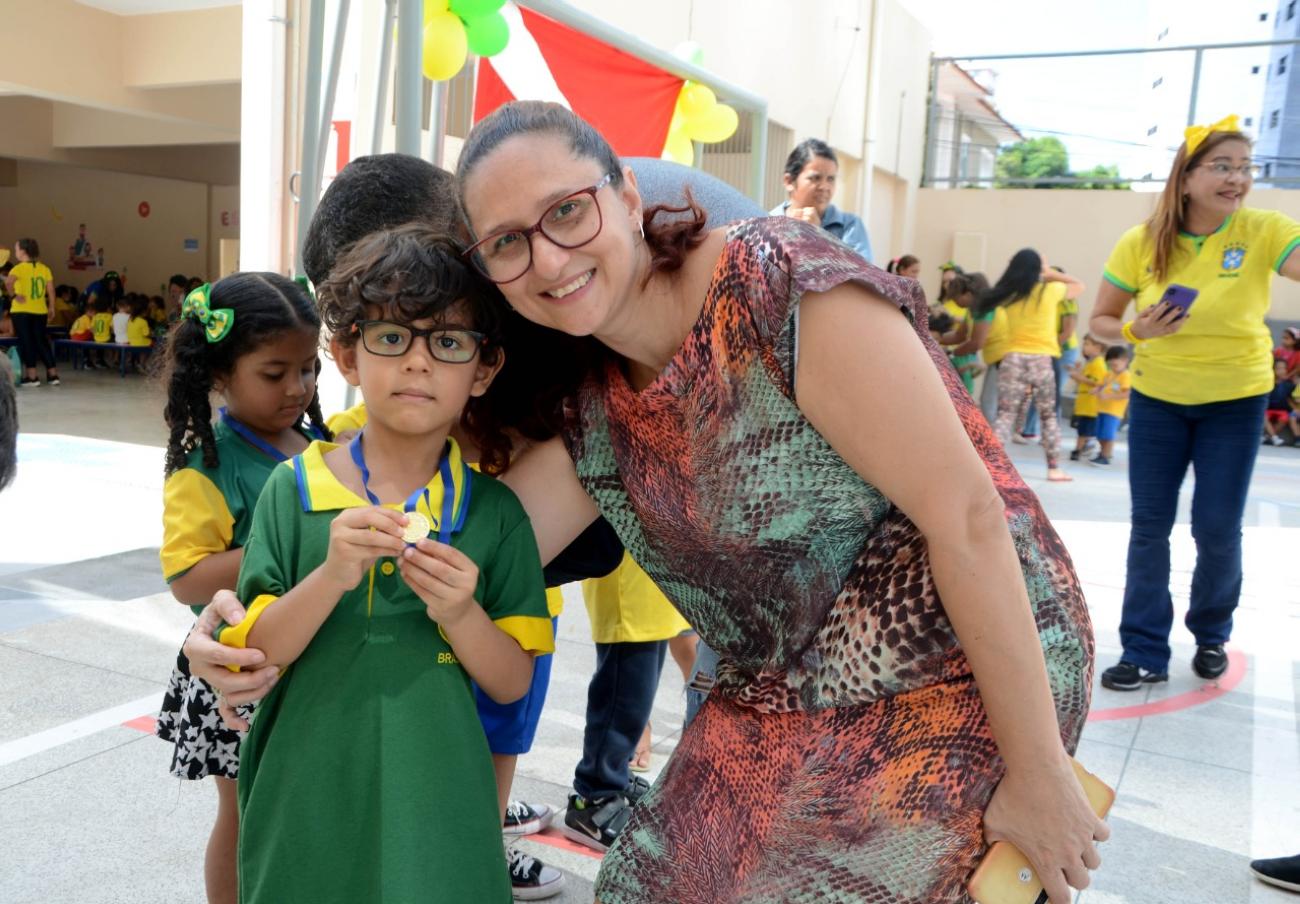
{"x":1127,"y":331}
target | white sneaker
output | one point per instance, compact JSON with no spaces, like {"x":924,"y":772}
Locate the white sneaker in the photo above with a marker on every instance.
{"x":530,"y":878}
{"x":1275,"y":440}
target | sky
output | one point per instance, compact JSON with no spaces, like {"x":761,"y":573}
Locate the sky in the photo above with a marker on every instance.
{"x":1099,"y":106}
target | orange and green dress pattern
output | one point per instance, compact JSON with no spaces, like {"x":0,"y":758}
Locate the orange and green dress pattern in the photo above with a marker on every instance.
{"x":844,"y":755}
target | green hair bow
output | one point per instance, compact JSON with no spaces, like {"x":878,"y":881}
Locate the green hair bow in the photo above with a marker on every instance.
{"x":216,"y":323}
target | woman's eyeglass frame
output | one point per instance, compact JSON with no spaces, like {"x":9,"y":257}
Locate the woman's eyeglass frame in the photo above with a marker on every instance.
{"x":475,"y":257}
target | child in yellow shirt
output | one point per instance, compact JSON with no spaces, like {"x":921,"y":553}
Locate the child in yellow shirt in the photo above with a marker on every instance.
{"x":1112,"y":404}
{"x":1087,"y":374}
{"x":81,"y":330}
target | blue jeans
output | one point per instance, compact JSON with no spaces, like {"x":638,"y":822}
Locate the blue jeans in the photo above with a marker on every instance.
{"x":1061,"y":367}
{"x":619,"y":701}
{"x":706,"y":669}
{"x":1219,"y":441}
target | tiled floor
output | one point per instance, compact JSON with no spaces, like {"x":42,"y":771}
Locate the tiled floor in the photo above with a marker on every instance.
{"x":88,"y":634}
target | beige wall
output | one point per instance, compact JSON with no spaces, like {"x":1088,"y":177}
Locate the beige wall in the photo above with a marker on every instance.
{"x":49,"y":202}
{"x":223,"y":222}
{"x":1074,"y":228}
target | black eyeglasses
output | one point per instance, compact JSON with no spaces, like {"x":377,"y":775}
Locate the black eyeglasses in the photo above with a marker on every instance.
{"x":571,"y":222}
{"x":392,"y":340}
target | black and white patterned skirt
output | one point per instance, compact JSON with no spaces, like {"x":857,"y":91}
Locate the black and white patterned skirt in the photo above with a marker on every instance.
{"x":202,"y":744}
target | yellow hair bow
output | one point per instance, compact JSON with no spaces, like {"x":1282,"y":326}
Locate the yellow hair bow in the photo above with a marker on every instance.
{"x":216,"y":323}
{"x":1196,"y":135}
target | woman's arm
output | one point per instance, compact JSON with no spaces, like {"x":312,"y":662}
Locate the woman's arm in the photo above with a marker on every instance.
{"x":546,"y":482}
{"x":931,"y":471}
{"x":212,"y":573}
{"x":979,"y":334}
{"x":1073,"y":287}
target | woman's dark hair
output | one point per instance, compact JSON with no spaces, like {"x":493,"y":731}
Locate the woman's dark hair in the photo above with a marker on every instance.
{"x":1016,"y":282}
{"x":415,"y":273}
{"x":265,"y":305}
{"x":31,"y":248}
{"x":805,"y":151}
{"x":544,"y":367}
{"x":899,"y":264}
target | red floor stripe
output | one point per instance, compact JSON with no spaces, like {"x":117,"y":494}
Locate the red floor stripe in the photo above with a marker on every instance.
{"x":555,"y":839}
{"x":1186,"y":700}
{"x":141,"y":723}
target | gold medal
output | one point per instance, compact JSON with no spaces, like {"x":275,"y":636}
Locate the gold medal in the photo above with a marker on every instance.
{"x":417,"y":527}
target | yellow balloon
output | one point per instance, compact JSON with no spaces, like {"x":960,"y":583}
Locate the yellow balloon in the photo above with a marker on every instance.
{"x":718,"y":124}
{"x":433,"y":7}
{"x":697,"y":101}
{"x":679,"y":148}
{"x":445,"y":46}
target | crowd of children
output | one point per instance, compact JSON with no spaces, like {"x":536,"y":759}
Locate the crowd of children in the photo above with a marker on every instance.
{"x":1099,"y":383}
{"x":104,"y":313}
{"x":1282,"y":414}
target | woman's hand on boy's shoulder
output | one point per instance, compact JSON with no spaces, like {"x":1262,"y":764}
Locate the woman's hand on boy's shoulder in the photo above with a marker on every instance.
{"x":444,"y":579}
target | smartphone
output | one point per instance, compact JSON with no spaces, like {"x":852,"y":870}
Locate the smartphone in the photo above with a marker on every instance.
{"x":1180,"y":297}
{"x":1004,"y":876}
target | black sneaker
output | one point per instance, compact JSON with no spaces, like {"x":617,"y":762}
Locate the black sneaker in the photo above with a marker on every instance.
{"x":596,"y":823}
{"x":636,"y":789}
{"x":26,"y":382}
{"x":1075,"y":455}
{"x":530,"y":878}
{"x":52,"y":381}
{"x":1210,"y":661}
{"x":1128,"y":677}
{"x":1284,"y":872}
{"x":1100,"y":461}
{"x":526,"y":819}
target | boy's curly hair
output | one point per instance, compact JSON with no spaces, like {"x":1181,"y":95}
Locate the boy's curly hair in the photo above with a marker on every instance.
{"x":411,"y":273}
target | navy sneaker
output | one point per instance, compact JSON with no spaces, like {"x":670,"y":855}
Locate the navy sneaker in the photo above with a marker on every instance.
{"x":1210,"y":661}
{"x":1284,"y":872}
{"x":1100,"y":461}
{"x":636,"y":789}
{"x":596,"y":823}
{"x":1128,"y":677}
{"x":526,"y":819}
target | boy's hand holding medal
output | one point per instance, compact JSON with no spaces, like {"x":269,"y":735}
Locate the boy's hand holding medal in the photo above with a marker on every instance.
{"x":443,"y":577}
{"x":358,"y":538}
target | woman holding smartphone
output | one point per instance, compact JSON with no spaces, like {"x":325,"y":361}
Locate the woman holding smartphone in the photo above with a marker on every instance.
{"x":1199,"y":272}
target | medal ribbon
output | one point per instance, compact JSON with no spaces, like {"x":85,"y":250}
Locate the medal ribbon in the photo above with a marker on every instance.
{"x":250,"y":437}
{"x":452,"y":519}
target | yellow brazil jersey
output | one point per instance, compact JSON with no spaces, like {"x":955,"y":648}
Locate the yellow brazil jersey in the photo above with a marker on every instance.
{"x":995,"y":343}
{"x":1115,"y":382}
{"x":1224,"y":350}
{"x":81,"y":325}
{"x":627,"y":606}
{"x":1065,"y":308}
{"x":354,"y":418}
{"x":139,"y":332}
{"x":101,"y":326}
{"x":32,"y":282}
{"x":1085,"y":404}
{"x":1032,"y":321}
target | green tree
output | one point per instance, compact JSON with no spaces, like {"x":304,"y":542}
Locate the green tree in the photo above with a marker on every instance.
{"x":1036,"y":158}
{"x":1047,"y":158}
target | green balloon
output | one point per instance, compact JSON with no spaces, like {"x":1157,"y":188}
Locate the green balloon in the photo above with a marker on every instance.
{"x":473,"y":9}
{"x":488,"y":35}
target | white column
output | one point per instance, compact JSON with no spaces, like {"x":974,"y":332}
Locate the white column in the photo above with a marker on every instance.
{"x":262,"y":127}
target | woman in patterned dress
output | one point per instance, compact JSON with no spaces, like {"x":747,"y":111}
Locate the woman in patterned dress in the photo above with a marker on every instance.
{"x":802,"y":473}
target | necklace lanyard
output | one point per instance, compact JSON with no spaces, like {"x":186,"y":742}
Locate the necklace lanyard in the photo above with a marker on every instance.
{"x":445,"y":526}
{"x":250,"y":437}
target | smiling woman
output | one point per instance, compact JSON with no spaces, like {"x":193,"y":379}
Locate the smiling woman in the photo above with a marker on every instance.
{"x":881,"y":711}
{"x":1199,"y":273}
